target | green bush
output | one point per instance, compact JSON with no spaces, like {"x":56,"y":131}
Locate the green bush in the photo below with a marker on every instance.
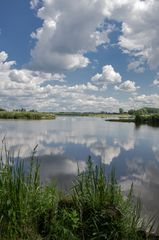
{"x":152,"y":119}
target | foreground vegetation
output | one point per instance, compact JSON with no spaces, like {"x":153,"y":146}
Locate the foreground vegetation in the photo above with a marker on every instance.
{"x":94,"y":209}
{"x":26,"y":115}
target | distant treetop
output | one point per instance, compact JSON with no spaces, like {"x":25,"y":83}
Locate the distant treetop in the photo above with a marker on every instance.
{"x":144,"y":110}
{"x":2,"y":109}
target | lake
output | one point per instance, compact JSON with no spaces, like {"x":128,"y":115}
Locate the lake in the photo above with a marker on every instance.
{"x":66,"y":141}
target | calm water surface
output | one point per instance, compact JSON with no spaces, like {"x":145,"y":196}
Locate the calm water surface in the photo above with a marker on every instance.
{"x":134,"y":152}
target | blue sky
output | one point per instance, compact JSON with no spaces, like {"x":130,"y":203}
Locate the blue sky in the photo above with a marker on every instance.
{"x":87,"y":55}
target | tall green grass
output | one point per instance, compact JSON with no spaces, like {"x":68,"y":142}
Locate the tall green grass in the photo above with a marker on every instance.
{"x":104,"y":212}
{"x":22,"y":199}
{"x":26,"y":115}
{"x":95,"y":207}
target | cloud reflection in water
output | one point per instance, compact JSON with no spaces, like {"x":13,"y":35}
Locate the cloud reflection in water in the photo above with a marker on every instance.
{"x":65,"y":141}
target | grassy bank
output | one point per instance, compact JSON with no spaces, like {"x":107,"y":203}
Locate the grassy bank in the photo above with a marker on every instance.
{"x":151,"y":119}
{"x":26,"y":115}
{"x":138,"y":119}
{"x":92,"y":114}
{"x":94,"y":209}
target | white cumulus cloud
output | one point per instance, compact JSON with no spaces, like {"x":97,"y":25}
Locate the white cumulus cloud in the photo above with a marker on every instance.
{"x":137,"y":66}
{"x":48,"y":92}
{"x":108,"y":76}
{"x":34,"y":3}
{"x":4,"y":64}
{"x":156,"y":82}
{"x":69,"y":30}
{"x":72,"y":28}
{"x":145,"y":100}
{"x":127,"y":86}
{"x":139,"y":21}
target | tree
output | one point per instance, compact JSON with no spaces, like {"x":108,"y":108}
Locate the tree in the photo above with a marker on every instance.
{"x":131,"y":111}
{"x":121,"y":110}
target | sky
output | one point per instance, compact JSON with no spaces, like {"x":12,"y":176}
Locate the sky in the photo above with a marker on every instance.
{"x":79,"y":55}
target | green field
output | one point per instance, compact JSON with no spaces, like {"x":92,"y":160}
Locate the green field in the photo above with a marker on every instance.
{"x":92,"y":114}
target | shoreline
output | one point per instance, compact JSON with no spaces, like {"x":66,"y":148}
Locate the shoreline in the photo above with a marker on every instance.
{"x":27,"y":115}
